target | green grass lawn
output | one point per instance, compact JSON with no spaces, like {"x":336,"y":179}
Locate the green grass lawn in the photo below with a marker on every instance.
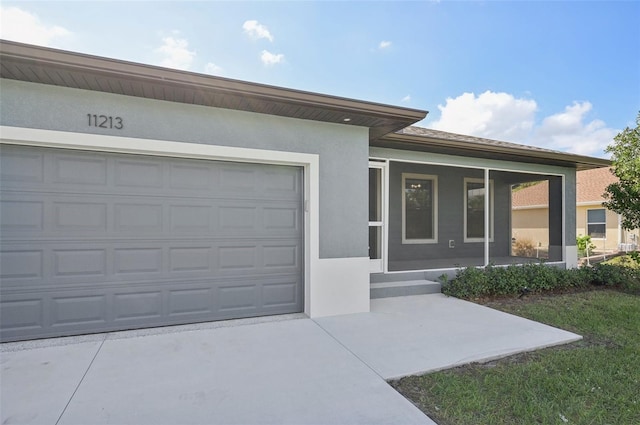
{"x":593,"y":381}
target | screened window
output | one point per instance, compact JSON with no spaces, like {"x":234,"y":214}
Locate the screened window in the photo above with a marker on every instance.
{"x":419,"y":208}
{"x":474,"y":195}
{"x":597,"y":223}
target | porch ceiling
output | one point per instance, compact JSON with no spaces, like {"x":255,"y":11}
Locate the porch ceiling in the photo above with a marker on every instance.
{"x":428,"y":140}
{"x":74,"y":70}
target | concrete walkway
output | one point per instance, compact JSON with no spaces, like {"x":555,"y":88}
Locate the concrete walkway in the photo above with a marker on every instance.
{"x":414,"y":335}
{"x":281,"y":370}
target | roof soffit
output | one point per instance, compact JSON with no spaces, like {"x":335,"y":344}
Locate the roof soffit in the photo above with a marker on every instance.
{"x":60,"y":68}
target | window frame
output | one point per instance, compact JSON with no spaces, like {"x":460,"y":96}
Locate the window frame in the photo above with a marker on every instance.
{"x":491,"y":209}
{"x":434,"y":206}
{"x":587,"y":223}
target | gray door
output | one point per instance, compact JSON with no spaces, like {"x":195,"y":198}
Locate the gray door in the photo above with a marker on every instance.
{"x":93,"y":241}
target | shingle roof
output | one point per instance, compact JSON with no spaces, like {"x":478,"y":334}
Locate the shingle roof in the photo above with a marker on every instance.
{"x":436,"y":141}
{"x":537,"y":195}
{"x":443,"y":135}
{"x":591,"y":184}
{"x":590,"y":188}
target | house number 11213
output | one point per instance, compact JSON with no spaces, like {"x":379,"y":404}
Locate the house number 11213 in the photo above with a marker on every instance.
{"x":104,"y":121}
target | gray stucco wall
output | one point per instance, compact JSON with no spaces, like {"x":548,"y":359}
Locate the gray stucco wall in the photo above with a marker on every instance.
{"x":343,"y":149}
{"x":570,"y":207}
{"x":450,"y":214}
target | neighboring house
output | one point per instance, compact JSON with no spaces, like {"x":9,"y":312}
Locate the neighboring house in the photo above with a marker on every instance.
{"x":530,"y":211}
{"x":137,"y":196}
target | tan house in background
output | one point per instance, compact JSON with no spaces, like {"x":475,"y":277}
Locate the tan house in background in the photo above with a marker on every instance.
{"x":530,"y":211}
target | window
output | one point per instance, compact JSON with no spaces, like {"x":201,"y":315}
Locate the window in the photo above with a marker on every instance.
{"x":597,"y":223}
{"x":419,"y":208}
{"x":474,"y":194}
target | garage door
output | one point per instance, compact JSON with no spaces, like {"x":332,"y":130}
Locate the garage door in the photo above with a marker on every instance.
{"x":93,"y":242}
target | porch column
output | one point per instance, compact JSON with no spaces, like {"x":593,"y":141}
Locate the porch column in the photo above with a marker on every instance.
{"x":555,"y":219}
{"x":487,"y":216}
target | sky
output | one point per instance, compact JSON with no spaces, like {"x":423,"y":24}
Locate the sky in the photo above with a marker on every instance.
{"x":562,"y":75}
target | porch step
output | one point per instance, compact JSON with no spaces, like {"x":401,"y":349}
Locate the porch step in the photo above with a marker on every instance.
{"x":404,"y":288}
{"x":396,"y":277}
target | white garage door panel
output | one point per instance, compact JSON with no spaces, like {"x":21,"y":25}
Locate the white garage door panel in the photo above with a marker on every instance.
{"x":95,"y":241}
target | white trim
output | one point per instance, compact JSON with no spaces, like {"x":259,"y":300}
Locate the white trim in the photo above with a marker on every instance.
{"x":378,"y":265}
{"x":443,"y":269}
{"x":488,"y":199}
{"x":128,"y":145}
{"x":531,"y":207}
{"x":565,"y":251}
{"x":470,"y":166}
{"x":619,"y":229}
{"x":434,"y":180}
{"x":488,"y":217}
{"x":385,"y":247}
{"x":586,"y":223}
{"x":590,"y":203}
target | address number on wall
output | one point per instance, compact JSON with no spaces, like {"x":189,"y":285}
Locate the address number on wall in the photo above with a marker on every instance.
{"x":105,"y":121}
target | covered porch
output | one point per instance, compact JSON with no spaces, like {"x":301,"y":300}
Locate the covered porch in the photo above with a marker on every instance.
{"x":440,"y":201}
{"x":440,"y":216}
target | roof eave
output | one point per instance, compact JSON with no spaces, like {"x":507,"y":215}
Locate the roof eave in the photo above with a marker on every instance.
{"x":580,"y":162}
{"x":16,"y":58}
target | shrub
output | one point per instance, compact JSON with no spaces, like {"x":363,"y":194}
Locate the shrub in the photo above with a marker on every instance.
{"x":470,"y":282}
{"x":583,"y":243}
{"x":630,"y":259}
{"x":506,"y":280}
{"x":615,"y":275}
{"x":523,"y":248}
{"x":577,"y":278}
{"x":476,"y":282}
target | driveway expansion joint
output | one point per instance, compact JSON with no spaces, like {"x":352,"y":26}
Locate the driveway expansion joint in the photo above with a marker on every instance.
{"x":81,"y":379}
{"x":349,"y":350}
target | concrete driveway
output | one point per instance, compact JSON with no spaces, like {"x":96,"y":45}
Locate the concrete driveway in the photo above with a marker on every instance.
{"x":280,"y":370}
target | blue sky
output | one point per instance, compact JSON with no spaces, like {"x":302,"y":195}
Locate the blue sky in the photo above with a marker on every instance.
{"x":561,"y":75}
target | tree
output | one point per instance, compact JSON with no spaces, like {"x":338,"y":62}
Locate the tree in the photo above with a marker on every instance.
{"x":624,"y":195}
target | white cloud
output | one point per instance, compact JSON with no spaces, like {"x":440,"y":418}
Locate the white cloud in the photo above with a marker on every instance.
{"x":571,"y":131}
{"x":176,"y":53}
{"x":502,"y":116}
{"x":568,"y":121}
{"x":19,"y":25}
{"x":212,"y":68}
{"x":384,"y":44}
{"x":491,"y":115}
{"x":407,"y":98}
{"x":256,"y":30}
{"x":269,"y":58}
